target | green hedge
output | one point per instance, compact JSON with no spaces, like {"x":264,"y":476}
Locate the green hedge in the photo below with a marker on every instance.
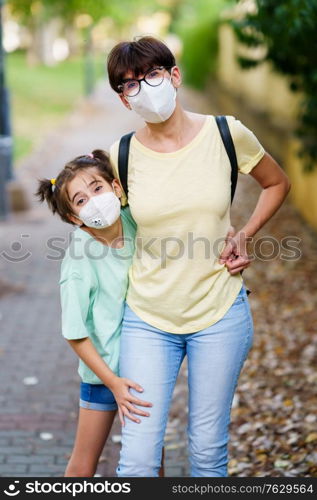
{"x":197,"y":25}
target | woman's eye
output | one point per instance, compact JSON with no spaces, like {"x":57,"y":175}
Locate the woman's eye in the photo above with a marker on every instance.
{"x":153,"y":74}
{"x":98,"y":188}
{"x":80,"y":202}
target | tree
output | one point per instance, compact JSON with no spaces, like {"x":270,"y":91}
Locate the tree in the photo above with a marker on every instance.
{"x":288,"y":30}
{"x":41,"y":16}
{"x":123,"y":11}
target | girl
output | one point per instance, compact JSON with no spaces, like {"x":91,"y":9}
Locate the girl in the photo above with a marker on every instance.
{"x":93,"y":284}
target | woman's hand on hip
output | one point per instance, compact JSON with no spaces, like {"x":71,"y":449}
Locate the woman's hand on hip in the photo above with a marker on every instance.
{"x":235,"y":255}
{"x":126,"y":401}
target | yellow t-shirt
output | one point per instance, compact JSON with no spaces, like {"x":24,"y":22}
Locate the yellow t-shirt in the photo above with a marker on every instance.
{"x":181,"y":204}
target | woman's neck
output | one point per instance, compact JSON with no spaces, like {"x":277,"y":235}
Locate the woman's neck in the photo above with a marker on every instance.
{"x":111,"y":236}
{"x":172,"y":134}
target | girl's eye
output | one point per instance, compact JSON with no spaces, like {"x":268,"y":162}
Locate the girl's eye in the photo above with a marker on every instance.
{"x":79,"y":202}
{"x":98,"y":188}
{"x":131,"y":85}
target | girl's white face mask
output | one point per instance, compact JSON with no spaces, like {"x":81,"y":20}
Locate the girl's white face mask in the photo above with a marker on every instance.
{"x":101,"y":211}
{"x":155,"y":104}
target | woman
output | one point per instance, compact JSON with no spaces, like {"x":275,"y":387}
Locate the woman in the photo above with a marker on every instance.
{"x":186,"y":294}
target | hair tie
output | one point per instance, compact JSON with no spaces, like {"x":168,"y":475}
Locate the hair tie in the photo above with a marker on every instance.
{"x":53,"y":182}
{"x":90,"y":155}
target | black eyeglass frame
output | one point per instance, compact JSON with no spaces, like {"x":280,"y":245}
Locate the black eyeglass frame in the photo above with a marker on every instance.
{"x":139,"y":80}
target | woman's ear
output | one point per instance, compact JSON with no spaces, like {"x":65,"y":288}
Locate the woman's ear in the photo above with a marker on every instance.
{"x":125,"y":101}
{"x":176,"y":76}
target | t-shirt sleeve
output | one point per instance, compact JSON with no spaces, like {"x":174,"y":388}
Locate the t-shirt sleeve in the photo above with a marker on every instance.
{"x":75,"y":300}
{"x":249,"y":150}
{"x":113,"y":152}
{"x":126,"y":213}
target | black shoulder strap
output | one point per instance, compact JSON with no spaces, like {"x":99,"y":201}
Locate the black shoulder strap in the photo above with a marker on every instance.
{"x":231,"y":152}
{"x":123,"y":160}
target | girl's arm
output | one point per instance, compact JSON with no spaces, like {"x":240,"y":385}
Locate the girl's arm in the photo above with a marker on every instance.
{"x":75,"y":301}
{"x":86,"y":351}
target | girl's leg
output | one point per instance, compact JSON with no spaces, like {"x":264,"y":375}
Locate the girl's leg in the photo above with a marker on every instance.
{"x":151,"y":358}
{"x":215,"y":359}
{"x":92,"y":432}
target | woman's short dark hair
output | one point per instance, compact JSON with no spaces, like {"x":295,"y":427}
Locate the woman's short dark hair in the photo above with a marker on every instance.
{"x":137,"y":56}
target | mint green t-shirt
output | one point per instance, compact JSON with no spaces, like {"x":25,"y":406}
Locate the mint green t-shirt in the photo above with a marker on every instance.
{"x":93,"y":286}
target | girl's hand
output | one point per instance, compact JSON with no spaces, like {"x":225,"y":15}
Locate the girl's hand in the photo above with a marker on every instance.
{"x":120,"y":388}
{"x":235,"y":255}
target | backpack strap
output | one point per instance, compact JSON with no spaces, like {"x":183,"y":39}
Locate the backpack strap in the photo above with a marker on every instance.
{"x":231,"y":152}
{"x":123,"y":160}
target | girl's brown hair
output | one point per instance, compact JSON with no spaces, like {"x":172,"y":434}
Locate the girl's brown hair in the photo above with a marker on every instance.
{"x":137,"y":56}
{"x":56,"y":195}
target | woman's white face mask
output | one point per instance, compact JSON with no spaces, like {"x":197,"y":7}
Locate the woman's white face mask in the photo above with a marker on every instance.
{"x":101,"y":211}
{"x":155,"y":104}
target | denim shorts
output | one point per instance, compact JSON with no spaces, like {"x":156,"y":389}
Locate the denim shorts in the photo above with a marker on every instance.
{"x":96,"y":397}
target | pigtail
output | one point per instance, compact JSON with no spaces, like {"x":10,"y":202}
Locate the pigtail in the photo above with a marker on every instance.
{"x":101,"y":155}
{"x":103,"y":160}
{"x":45,"y":192}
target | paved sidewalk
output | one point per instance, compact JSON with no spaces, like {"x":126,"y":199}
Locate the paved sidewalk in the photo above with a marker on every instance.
{"x":39,"y":390}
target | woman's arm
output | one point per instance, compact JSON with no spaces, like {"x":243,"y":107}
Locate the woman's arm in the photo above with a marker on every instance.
{"x":85,"y":349}
{"x":275,"y":187}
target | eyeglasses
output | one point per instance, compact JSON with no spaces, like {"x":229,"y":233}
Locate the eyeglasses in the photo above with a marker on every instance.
{"x":153,"y":77}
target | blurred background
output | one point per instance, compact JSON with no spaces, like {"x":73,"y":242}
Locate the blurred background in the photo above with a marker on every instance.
{"x":254,"y":59}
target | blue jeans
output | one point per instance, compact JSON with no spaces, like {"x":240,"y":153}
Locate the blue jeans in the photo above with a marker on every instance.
{"x":152,"y":358}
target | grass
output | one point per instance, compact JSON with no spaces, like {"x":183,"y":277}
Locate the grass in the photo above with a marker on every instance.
{"x":41,"y":96}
